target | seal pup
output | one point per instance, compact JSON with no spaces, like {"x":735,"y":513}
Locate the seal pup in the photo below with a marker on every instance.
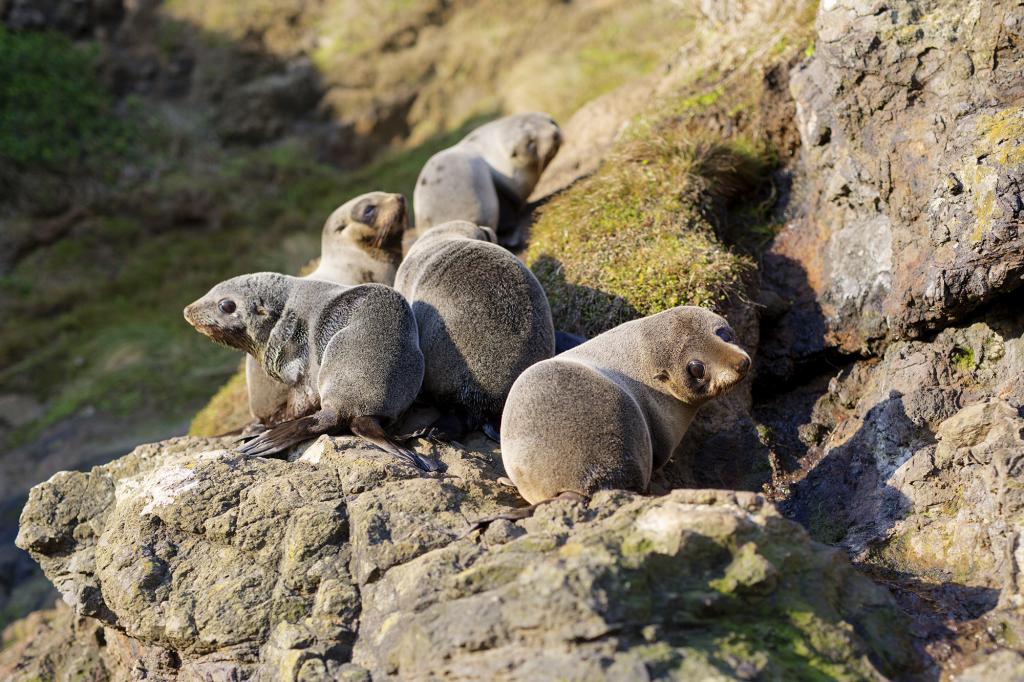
{"x":482,"y":316}
{"x":349,"y":354}
{"x":361,"y":242}
{"x":487,"y":177}
{"x":611,"y":411}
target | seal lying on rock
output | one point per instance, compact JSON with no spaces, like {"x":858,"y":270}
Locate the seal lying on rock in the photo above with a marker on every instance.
{"x":609,"y":412}
{"x":361,"y":243}
{"x":482,"y":316}
{"x":486,"y":177}
{"x":350,"y":355}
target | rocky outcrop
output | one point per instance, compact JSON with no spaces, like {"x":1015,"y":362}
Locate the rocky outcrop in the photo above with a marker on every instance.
{"x":916,"y":458}
{"x":343,"y":563}
{"x":911,"y":121}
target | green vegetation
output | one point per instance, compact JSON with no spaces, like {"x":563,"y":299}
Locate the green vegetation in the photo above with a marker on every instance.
{"x":53,"y":109}
{"x":962,"y":358}
{"x":636,"y":238}
{"x":99,"y":311}
{"x":226,"y":411}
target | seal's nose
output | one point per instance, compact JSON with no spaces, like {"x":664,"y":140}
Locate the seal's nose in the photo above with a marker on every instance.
{"x":187,"y":312}
{"x":743,"y":365}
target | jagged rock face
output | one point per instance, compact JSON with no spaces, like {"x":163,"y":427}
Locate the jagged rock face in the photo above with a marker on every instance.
{"x":918,"y":460}
{"x":202,"y":564}
{"x":911,"y":122}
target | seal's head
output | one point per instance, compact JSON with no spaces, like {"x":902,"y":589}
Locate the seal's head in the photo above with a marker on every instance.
{"x":240,"y":312}
{"x":697,"y":359}
{"x":374,"y":221}
{"x":518,"y":148}
{"x":460,"y":228}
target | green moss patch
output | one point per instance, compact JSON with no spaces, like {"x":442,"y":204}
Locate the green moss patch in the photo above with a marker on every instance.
{"x":637,"y":238}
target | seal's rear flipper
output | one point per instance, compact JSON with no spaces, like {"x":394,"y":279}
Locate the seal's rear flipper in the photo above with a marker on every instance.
{"x":369,"y":428}
{"x":520,"y":513}
{"x":287,"y":434}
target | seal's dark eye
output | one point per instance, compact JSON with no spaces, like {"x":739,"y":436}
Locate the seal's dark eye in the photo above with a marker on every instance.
{"x":368,"y":214}
{"x":696,"y":369}
{"x":226,"y":305}
{"x":726,"y":335}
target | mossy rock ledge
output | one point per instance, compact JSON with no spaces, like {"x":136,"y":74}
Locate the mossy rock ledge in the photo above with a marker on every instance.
{"x":344,"y":564}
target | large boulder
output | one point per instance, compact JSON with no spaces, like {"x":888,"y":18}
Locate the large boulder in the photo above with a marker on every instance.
{"x":911,"y":120}
{"x":201,"y":564}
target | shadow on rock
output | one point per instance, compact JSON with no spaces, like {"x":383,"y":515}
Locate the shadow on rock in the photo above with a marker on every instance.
{"x":852,"y":504}
{"x":792,"y":324}
{"x":576,"y":308}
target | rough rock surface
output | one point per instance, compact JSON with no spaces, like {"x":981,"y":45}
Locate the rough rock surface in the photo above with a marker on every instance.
{"x":341,"y":563}
{"x":920,"y":449}
{"x":913,"y":464}
{"x":911,"y":122}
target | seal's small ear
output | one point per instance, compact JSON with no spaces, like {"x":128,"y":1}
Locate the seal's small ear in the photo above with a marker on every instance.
{"x":661,"y":376}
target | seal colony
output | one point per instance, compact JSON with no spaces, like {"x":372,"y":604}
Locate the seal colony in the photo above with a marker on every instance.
{"x":468,"y":327}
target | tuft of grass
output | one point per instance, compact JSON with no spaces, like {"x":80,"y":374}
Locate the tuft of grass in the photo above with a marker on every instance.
{"x":53,"y":108}
{"x":637,"y":237}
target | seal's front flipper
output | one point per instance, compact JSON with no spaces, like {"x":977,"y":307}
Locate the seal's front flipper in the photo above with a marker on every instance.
{"x":369,"y":428}
{"x":520,"y":513}
{"x":249,"y":431}
{"x":452,"y":425}
{"x":287,"y":434}
{"x":491,"y":431}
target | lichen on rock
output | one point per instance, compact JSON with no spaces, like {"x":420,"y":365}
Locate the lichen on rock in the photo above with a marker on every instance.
{"x":343,"y":562}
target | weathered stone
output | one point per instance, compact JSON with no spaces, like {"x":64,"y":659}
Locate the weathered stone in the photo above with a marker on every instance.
{"x":343,"y":563}
{"x":917,"y":461}
{"x":606,"y":591}
{"x":911,"y":124}
{"x":1001,"y":665}
{"x":50,"y":645}
{"x":264,"y":108}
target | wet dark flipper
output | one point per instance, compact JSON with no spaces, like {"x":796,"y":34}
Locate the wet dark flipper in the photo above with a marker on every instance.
{"x":520,"y":513}
{"x":491,"y":431}
{"x":369,"y":428}
{"x":514,"y":515}
{"x":248,"y":432}
{"x":284,"y":435}
{"x":429,"y":433}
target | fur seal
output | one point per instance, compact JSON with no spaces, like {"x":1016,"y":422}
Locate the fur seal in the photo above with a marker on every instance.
{"x":361,"y":242}
{"x":483,"y":318}
{"x":609,"y":412}
{"x":487,"y":176}
{"x":349,"y":354}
